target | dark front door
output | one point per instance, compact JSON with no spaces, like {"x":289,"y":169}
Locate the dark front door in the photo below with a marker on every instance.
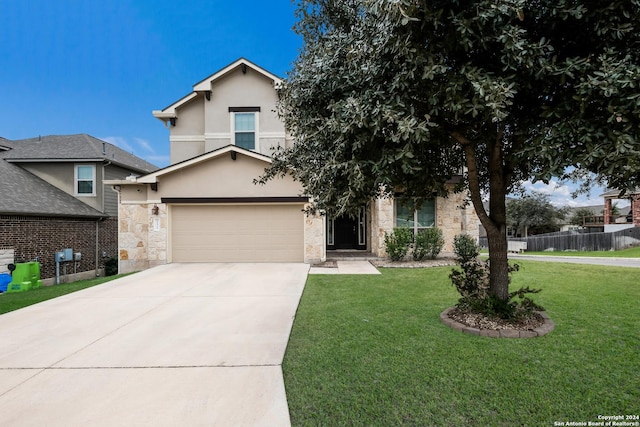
{"x":345,"y":232}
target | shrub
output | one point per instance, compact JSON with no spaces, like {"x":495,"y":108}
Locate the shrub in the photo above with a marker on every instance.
{"x":397,"y":243}
{"x":111,"y":266}
{"x":428,"y":243}
{"x":472,"y":284}
{"x":465,"y":248}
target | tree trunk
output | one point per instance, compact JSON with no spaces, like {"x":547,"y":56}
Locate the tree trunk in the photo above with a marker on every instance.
{"x":498,"y":247}
{"x":495,"y":223}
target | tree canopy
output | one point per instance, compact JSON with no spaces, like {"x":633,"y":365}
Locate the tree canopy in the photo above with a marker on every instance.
{"x":534,"y":212}
{"x":579,"y":214}
{"x":402,"y":95}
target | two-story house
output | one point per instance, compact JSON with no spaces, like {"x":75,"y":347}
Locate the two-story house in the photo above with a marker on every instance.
{"x":205,"y":207}
{"x":53,"y":197}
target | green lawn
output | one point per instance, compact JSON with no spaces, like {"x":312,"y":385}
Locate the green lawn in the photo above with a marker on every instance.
{"x":371,"y":350}
{"x":624,"y":253}
{"x":15,"y":300}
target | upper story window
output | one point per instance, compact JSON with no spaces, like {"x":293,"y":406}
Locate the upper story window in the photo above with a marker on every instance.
{"x":244,"y":121}
{"x":85,"y":180}
{"x":423,"y":217}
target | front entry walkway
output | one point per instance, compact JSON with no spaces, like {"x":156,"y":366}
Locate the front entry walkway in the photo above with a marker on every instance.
{"x":344,"y":267}
{"x":179,"y":344}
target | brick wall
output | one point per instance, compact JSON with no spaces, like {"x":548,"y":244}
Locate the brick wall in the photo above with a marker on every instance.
{"x":41,"y":237}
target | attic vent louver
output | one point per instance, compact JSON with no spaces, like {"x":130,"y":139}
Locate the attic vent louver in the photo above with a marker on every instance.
{"x":104,"y":148}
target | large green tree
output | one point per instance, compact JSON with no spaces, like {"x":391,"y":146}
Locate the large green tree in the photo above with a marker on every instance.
{"x":400,"y":95}
{"x":534,"y":211}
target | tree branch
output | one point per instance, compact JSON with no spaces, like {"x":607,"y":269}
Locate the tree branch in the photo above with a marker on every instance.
{"x":474,"y":178}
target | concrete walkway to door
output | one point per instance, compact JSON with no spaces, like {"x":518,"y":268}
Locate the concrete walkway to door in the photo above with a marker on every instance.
{"x":179,"y":344}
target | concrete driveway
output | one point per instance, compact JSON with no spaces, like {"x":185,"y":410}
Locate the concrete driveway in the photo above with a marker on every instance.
{"x":179,"y":344}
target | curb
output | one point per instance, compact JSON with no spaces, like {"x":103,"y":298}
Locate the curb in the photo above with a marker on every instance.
{"x":540,"y":331}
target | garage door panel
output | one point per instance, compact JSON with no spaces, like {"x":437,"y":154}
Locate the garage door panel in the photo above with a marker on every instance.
{"x":237,"y":233}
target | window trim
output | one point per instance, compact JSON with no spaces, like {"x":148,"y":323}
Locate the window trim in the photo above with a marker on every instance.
{"x":256,"y":120}
{"x":415,"y":227}
{"x":76,"y":180}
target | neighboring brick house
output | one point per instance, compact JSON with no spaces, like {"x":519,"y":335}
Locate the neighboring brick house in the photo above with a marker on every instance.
{"x":53,"y":196}
{"x":204,"y":207}
{"x":626,"y":218}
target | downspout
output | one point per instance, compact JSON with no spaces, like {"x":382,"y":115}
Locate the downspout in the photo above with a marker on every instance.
{"x":97,"y":245}
{"x":105,"y":163}
{"x":117,"y":189}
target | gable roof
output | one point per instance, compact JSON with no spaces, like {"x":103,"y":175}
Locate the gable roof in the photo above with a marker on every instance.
{"x":228,"y":149}
{"x":80,"y":147}
{"x":22,"y":193}
{"x":204,"y":86}
{"x":615,"y":194}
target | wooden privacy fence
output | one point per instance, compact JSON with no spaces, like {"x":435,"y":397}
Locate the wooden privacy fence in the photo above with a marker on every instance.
{"x":579,"y":241}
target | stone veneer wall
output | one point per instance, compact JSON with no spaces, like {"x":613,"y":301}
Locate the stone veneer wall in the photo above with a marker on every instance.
{"x":382,"y":222}
{"x":314,"y":239}
{"x":6,"y":258}
{"x":452,"y":217}
{"x":141,"y":244}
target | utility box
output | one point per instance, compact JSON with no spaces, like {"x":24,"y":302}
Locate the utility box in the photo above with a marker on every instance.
{"x":64,"y":255}
{"x":77,"y":256}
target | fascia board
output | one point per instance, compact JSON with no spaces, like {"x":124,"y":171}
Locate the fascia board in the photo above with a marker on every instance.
{"x":205,"y":84}
{"x":154,"y":176}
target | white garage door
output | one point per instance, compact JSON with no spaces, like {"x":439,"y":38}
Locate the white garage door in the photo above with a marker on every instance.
{"x":237,"y":233}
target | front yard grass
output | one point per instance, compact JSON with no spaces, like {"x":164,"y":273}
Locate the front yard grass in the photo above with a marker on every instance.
{"x":15,"y":300}
{"x":371,"y":350}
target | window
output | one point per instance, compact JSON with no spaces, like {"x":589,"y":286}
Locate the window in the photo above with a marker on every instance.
{"x":85,"y":177}
{"x":245,"y":130}
{"x":423,"y":217}
{"x":244,"y":126}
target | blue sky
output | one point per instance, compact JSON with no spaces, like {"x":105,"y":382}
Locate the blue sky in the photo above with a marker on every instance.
{"x":101,"y":66}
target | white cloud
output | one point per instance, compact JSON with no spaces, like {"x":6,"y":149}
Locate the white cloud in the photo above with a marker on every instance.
{"x":561,"y":194}
{"x":119,"y":141}
{"x":139,"y":147}
{"x":553,"y":188}
{"x":144,"y":144}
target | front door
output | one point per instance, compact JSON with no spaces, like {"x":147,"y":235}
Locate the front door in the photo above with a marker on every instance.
{"x":345,"y":232}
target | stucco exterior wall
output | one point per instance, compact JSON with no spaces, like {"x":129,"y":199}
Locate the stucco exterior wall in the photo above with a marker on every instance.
{"x":224,"y":177}
{"x":62,"y":176}
{"x":191,"y":118}
{"x":238,"y":89}
{"x":205,"y":125}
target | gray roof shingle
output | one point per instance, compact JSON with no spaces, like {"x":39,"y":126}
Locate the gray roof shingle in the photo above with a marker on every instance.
{"x":22,"y":193}
{"x":72,"y":148}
